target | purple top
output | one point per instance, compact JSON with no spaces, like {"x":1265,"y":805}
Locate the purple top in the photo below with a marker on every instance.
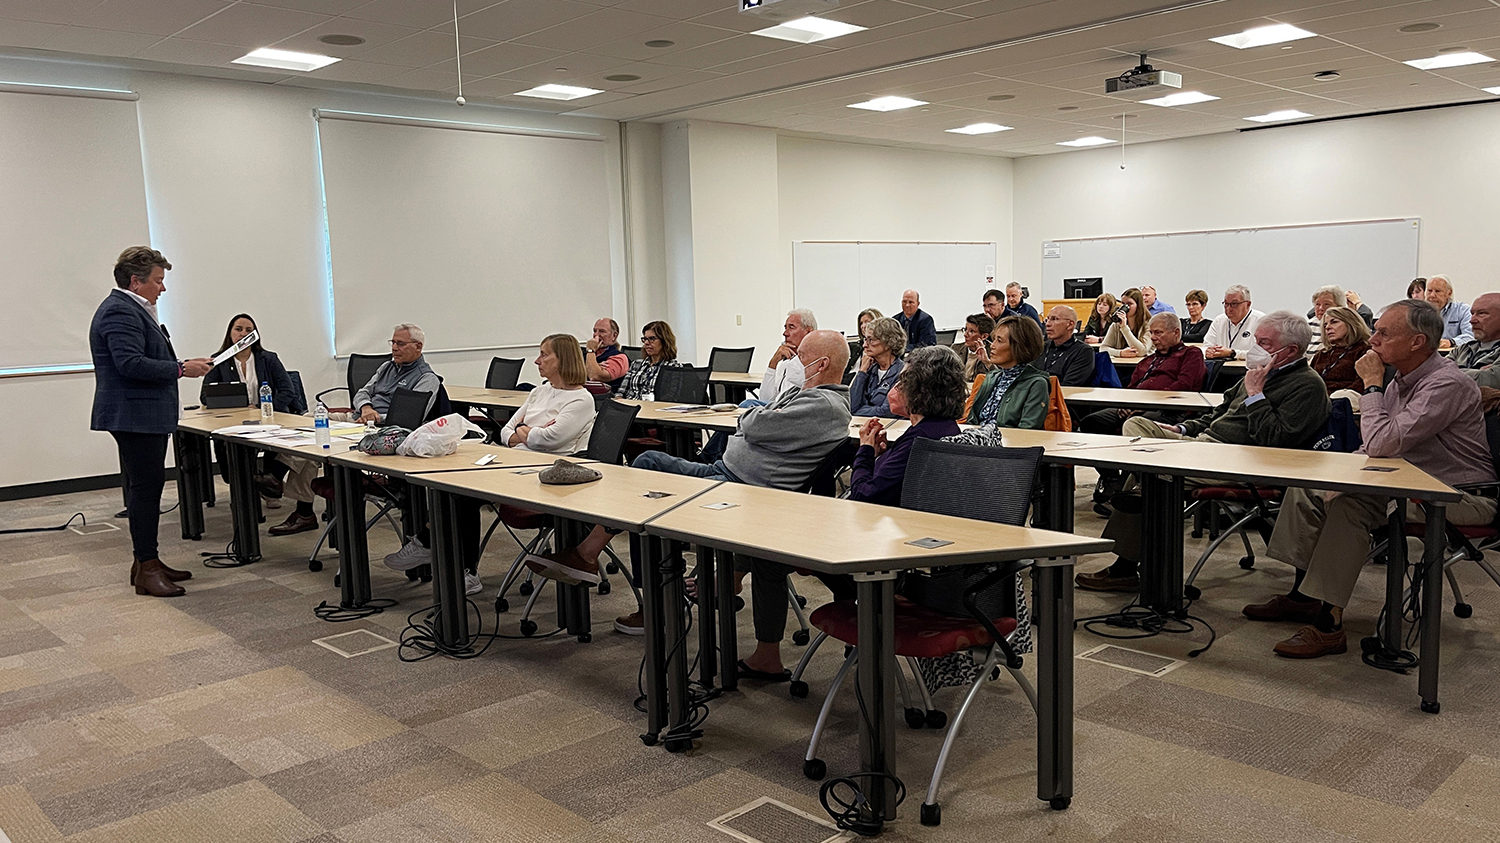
{"x":1431,"y":417}
{"x":878,"y":480}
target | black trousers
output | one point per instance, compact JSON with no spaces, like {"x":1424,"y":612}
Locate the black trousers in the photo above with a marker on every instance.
{"x":143,"y":470}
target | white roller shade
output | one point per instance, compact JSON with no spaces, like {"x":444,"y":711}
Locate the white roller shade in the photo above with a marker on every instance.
{"x":72,"y":197}
{"x":483,"y":236}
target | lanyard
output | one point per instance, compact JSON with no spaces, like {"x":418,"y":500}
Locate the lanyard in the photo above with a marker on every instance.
{"x":1342,"y":354}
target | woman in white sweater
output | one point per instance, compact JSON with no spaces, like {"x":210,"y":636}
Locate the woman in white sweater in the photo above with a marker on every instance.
{"x":558,"y":416}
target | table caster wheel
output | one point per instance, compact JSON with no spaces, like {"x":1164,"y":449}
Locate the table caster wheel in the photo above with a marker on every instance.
{"x":1060,"y":803}
{"x":528,"y":628}
{"x":316,"y":566}
{"x":1463,"y":610}
{"x":648,"y":740}
{"x":936,"y":719}
{"x":915,"y":718}
{"x":800,"y":637}
{"x":679,"y":744}
{"x":932,"y":814}
{"x":585,"y":638}
{"x":1191,"y":592}
{"x":603,"y":587}
{"x":814,"y":769}
{"x":798,"y":689}
{"x":1247,"y":562}
{"x":1431,"y":707}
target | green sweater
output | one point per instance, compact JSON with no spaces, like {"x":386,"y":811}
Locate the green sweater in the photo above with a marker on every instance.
{"x":1024,"y":404}
{"x":1292,"y":415}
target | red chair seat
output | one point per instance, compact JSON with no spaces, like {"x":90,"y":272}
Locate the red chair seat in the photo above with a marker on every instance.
{"x":920,"y":632}
{"x":1418,"y":530}
{"x":520,"y":519}
{"x":1234,"y":493}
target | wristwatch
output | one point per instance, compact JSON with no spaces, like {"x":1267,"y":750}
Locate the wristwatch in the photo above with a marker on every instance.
{"x":1375,"y":388}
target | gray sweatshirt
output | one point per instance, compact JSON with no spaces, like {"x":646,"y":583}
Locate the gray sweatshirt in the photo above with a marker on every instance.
{"x":781,"y":444}
{"x":416,"y":376}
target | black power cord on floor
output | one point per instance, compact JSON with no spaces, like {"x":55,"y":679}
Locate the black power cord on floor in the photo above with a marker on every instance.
{"x":850,"y":810}
{"x":62,"y":526}
{"x":1373,"y":650}
{"x":1147,"y":623}
{"x":699,"y":695}
{"x":421,"y":639}
{"x":228,"y":559}
{"x":338,"y":614}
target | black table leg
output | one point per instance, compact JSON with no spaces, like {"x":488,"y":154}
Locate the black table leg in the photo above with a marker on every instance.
{"x":708,"y":589}
{"x":648,"y":551}
{"x":1432,"y":606}
{"x":1395,"y":578}
{"x":679,"y":714}
{"x":353,"y":544}
{"x":447,"y":568}
{"x":573,"y":600}
{"x":1161,"y":543}
{"x":1054,"y":680}
{"x":876,"y":675}
{"x":1058,"y":494}
{"x":729,"y":643}
{"x":188,"y":450}
{"x":244,"y":502}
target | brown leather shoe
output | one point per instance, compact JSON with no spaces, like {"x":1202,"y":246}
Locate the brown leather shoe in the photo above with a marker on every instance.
{"x":1104,"y":581}
{"x":151,"y":578}
{"x":631,"y":624}
{"x":268,"y":485}
{"x":295,"y":523}
{"x":1283,"y":608}
{"x":1310,"y":643}
{"x":172,"y":573}
{"x":565,"y":566}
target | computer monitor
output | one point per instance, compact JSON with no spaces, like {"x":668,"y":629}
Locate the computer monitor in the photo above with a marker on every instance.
{"x":1083,"y":288}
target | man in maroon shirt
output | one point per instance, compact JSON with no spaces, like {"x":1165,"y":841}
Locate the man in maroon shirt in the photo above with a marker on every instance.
{"x":1431,"y":416}
{"x":1174,"y":366}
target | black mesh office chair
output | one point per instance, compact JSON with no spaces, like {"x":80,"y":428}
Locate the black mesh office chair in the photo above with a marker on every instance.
{"x":966,"y":481}
{"x":361,"y":368}
{"x":730,"y":359}
{"x":299,"y":396}
{"x":632,"y":352}
{"x":683,"y":385}
{"x":948,"y":337}
{"x":408,"y":409}
{"x":504,"y":373}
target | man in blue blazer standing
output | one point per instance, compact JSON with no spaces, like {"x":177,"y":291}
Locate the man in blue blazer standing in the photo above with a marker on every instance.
{"x":920,"y":330}
{"x":135,"y":400}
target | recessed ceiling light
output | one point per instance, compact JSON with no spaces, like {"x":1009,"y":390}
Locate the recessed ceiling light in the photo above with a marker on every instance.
{"x":1277,"y":116}
{"x":1183,"y":98}
{"x":1088,"y":141}
{"x":659,"y":43}
{"x":622,"y":77}
{"x":1495,"y":90}
{"x":888,"y":104}
{"x":1067,"y":108}
{"x":1001,"y":97}
{"x":1444,"y":60}
{"x":979,"y":129}
{"x":285,"y":59}
{"x":1326,"y":75}
{"x":1260,"y":36}
{"x":1420,"y":27}
{"x":342,"y":40}
{"x":809,"y":29}
{"x":558,"y":92}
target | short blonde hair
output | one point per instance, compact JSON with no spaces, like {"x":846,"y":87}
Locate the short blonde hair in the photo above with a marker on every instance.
{"x":569,"y":356}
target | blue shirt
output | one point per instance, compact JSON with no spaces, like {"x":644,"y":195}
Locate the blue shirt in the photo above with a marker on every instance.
{"x":1022,"y":309}
{"x":1456,"y":325}
{"x":1160,"y":307}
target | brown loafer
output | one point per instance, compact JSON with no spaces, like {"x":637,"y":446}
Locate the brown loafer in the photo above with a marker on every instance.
{"x":172,"y":573}
{"x":295,"y":523}
{"x":1283,"y":608}
{"x":1104,"y":581}
{"x":1311,"y":642}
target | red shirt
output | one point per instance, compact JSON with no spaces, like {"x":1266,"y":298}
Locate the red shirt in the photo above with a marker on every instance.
{"x":1179,"y":368}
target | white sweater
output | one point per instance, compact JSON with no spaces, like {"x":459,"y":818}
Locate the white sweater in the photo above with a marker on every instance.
{"x":560,"y":420}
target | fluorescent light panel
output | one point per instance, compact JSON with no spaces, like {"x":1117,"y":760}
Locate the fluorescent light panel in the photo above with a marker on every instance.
{"x":558,"y":92}
{"x":979,"y":129}
{"x":1088,"y":141}
{"x":285,"y":59}
{"x":1274,"y":116}
{"x":1184,"y":98}
{"x":1443,"y":60}
{"x":1260,"y":36}
{"x":888,"y":104}
{"x":809,"y":29}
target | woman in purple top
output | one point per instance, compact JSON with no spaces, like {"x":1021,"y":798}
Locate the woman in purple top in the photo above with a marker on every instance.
{"x":930,"y":391}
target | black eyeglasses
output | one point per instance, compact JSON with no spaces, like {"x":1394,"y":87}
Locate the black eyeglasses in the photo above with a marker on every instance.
{"x":650,"y":339}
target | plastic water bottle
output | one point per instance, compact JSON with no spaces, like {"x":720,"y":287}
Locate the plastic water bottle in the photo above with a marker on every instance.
{"x":320,"y":425}
{"x":267,"y":408}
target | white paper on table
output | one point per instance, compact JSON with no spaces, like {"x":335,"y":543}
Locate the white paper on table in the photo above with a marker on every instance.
{"x":242,"y":429}
{"x":245,"y":342}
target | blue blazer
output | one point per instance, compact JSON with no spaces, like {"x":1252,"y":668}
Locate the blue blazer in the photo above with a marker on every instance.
{"x":135,"y":369}
{"x":920,"y":330}
{"x":269,"y":369}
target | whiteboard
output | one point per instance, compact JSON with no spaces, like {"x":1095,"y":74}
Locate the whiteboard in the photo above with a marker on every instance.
{"x":1281,"y":265}
{"x":838,"y":279}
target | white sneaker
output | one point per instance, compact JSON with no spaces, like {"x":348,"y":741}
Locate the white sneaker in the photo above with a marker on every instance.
{"x":412,"y":555}
{"x":472,"y":585}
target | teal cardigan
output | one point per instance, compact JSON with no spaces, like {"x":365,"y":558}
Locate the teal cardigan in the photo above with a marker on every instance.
{"x":1024,"y":404}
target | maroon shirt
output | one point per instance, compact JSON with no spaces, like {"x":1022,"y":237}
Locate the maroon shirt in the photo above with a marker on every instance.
{"x":1179,"y":368}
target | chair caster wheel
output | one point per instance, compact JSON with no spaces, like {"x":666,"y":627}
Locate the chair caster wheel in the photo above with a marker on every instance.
{"x":798,"y":689}
{"x":526,"y":588}
{"x":936,"y":719}
{"x":802,"y":601}
{"x":611,"y":568}
{"x":1197,"y":534}
{"x":1463,"y":610}
{"x":648,"y":740}
{"x":316,"y":566}
{"x":413,"y":575}
{"x":528,"y":628}
{"x":1191,"y":592}
{"x":502,"y":605}
{"x":603,"y":587}
{"x":1431,"y":707}
{"x":585,"y":638}
{"x":915,"y":718}
{"x":739,"y":602}
{"x":678,"y":744}
{"x":932,"y":814}
{"x":800,"y":637}
{"x":1060,"y":803}
{"x":814,"y":769}
{"x":1247,"y":563}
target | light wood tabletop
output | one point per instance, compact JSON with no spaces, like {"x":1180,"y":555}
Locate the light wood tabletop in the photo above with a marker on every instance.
{"x":844,"y":537}
{"x":461,"y":460}
{"x":736,"y":378}
{"x":1164,"y":399}
{"x":1237,"y":363}
{"x":510,"y":399}
{"x":623,"y":499}
{"x":660,"y":412}
{"x":207,"y":421}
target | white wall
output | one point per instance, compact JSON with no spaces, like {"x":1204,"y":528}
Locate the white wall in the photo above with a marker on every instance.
{"x":1442,"y":166}
{"x":232,"y":185}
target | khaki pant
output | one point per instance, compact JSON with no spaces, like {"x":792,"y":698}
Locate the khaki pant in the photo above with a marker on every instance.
{"x":1147,"y":429}
{"x":1330,"y":539}
{"x":299,"y":477}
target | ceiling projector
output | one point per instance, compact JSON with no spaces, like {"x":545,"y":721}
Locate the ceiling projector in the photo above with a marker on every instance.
{"x":1143,"y":79}
{"x":781,"y":11}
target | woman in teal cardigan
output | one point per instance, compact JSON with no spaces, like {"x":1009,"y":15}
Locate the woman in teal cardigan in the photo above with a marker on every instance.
{"x":1015,"y":394}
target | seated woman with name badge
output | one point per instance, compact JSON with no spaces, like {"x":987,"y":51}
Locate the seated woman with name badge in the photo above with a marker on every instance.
{"x":658,"y":351}
{"x":1015,"y":394}
{"x":878,"y":368}
{"x":287,"y":476}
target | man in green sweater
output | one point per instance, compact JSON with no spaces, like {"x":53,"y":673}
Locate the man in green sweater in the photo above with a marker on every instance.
{"x":1281,"y":403}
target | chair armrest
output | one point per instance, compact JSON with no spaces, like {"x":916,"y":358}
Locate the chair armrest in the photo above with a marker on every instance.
{"x":971,"y":602}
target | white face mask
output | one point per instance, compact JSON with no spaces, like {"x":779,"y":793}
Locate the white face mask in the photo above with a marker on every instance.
{"x":795,"y":371}
{"x":1257,"y":358}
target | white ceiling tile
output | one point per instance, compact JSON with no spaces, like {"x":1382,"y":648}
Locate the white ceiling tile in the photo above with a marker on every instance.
{"x":326,"y":7}
{"x":253,"y":26}
{"x":675,"y":9}
{"x":663,"y":83}
{"x":46,"y":11}
{"x":421,"y":49}
{"x":499,"y":59}
{"x":590,"y":30}
{"x":683,"y":36}
{"x":100,"y":42}
{"x":351,"y":70}
{"x":420,"y":14}
{"x":152,"y":17}
{"x":25,"y":33}
{"x":375,"y":35}
{"x":519,"y":17}
{"x":183,"y":51}
{"x":733,"y":49}
{"x":567,"y":69}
